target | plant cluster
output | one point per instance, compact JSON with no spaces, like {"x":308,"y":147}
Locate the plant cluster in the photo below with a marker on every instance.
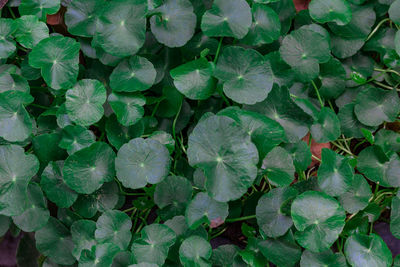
{"x":149,"y":132}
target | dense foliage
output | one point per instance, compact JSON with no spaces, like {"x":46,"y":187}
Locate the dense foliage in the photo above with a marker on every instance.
{"x":189,"y":132}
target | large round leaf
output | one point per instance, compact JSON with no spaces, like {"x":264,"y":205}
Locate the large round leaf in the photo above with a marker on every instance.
{"x":271,"y":219}
{"x":7,"y":44}
{"x":118,"y":134}
{"x":195,"y":251}
{"x":333,"y":79}
{"x":357,"y":197}
{"x":30,"y":31}
{"x":84,"y":102}
{"x":39,"y":8}
{"x":337,"y":11}
{"x":326,"y":128}
{"x":278,"y":166}
{"x":58,"y":59}
{"x":142,"y":161}
{"x":303,"y":50}
{"x":173,"y":23}
{"x":322,"y":259}
{"x":53,"y":184}
{"x":194,"y":79}
{"x":247,"y":77}
{"x":227,"y":18}
{"x":101,"y":255}
{"x":128,"y":107}
{"x":364,"y":250}
{"x":114,"y":226}
{"x":121,"y":27}
{"x":154,"y":244}
{"x":133,"y":74}
{"x":76,"y":137}
{"x":319,"y":219}
{"x":394,"y":11}
{"x":82,"y":232}
{"x":16,"y":170}
{"x":225,"y":153}
{"x":87,"y":169}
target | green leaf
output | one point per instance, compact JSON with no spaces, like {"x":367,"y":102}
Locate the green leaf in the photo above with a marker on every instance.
{"x":76,"y":137}
{"x":270,"y":217}
{"x":230,"y":19}
{"x":54,"y":241}
{"x":327,"y":126}
{"x":16,"y":170}
{"x":397,"y":42}
{"x":265,"y":28}
{"x":58,"y":59}
{"x":4,"y":224}
{"x":84,"y":102}
{"x":101,"y":255}
{"x":322,"y":259}
{"x":53,"y":185}
{"x":133,"y":74}
{"x":114,"y":226}
{"x":362,"y":250}
{"x":7,"y":44}
{"x":45,"y":147}
{"x":335,"y":175}
{"x":300,"y":153}
{"x":86,"y":170}
{"x":300,"y":52}
{"x":279,"y":168}
{"x":395,"y":216}
{"x":281,"y":108}
{"x":226,"y":255}
{"x":39,"y":8}
{"x":118,"y":134}
{"x":121,"y":27}
{"x":13,"y":82}
{"x":81,"y":17}
{"x":226,"y":155}
{"x":153,"y":246}
{"x":194,"y":79}
{"x":246,"y":76}
{"x":142,"y":161}
{"x":375,"y":106}
{"x":357,"y":197}
{"x":174,"y":22}
{"x":394,"y":12}
{"x":165,"y":139}
{"x":30,"y":31}
{"x":319,"y":219}
{"x":172,"y":196}
{"x":388,"y":140}
{"x":333,"y":79}
{"x":195,"y":251}
{"x":378,"y":167}
{"x":203,"y":209}
{"x":349,"y":124}
{"x":82,"y":232}
{"x":128,"y":107}
{"x":337,"y":11}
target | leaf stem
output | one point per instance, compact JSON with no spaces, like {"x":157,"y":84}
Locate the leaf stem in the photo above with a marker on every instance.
{"x":376,"y":28}
{"x":39,"y":106}
{"x":175,"y":119}
{"x":12,"y":13}
{"x":342,"y":148}
{"x":318,"y":95}
{"x":218,"y":50}
{"x":245,"y":218}
{"x":218,"y":234}
{"x":387,"y":70}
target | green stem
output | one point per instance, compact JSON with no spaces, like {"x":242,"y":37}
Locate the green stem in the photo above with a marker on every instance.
{"x":387,"y":70}
{"x":12,"y":13}
{"x":342,"y":148}
{"x":218,"y":50}
{"x":128,"y":210}
{"x":155,"y":109}
{"x":39,"y":106}
{"x":218,"y":234}
{"x":377,"y":28}
{"x":175,"y":119}
{"x":318,"y":95}
{"x":245,"y":218}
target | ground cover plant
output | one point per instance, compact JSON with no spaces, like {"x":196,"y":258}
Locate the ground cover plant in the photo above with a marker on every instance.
{"x":200,"y":132}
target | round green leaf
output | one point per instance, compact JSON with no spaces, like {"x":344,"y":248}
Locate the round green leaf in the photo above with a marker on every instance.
{"x":394,"y":11}
{"x":319,"y":219}
{"x":333,"y":79}
{"x":194,"y":79}
{"x":395,"y":216}
{"x":82,"y":232}
{"x":118,"y":134}
{"x":300,"y":52}
{"x":322,"y":259}
{"x":13,"y":82}
{"x":142,"y":161}
{"x":54,"y":241}
{"x":165,"y":139}
{"x":39,"y":8}
{"x":195,"y":251}
{"x":84,"y":102}
{"x":270,"y":217}
{"x":87,"y":169}
{"x":230,"y":19}
{"x":203,"y":209}
{"x":357,"y":197}
{"x":278,"y":165}
{"x":397,"y":42}
{"x":128,"y":107}
{"x":337,"y":11}
{"x":121,"y":27}
{"x":16,"y":170}
{"x":301,"y":155}
{"x":37,"y":214}
{"x":246,"y":76}
{"x":225,"y":153}
{"x":153,"y":246}
{"x":375,"y":106}
{"x":30,"y":31}
{"x":364,"y":250}
{"x":350,"y":125}
{"x":53,"y":184}
{"x":335,"y":175}
{"x":7,"y":44}
{"x":344,"y":47}
{"x":76,"y":137}
{"x":265,"y":28}
{"x":378,"y":167}
{"x":101,"y":255}
{"x":133,"y":74}
{"x":388,"y":140}
{"x":58,"y":59}
{"x":172,"y":195}
{"x":173,"y":23}
{"x":114,"y":226}
{"x":81,"y":16}
{"x":327,"y":126}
